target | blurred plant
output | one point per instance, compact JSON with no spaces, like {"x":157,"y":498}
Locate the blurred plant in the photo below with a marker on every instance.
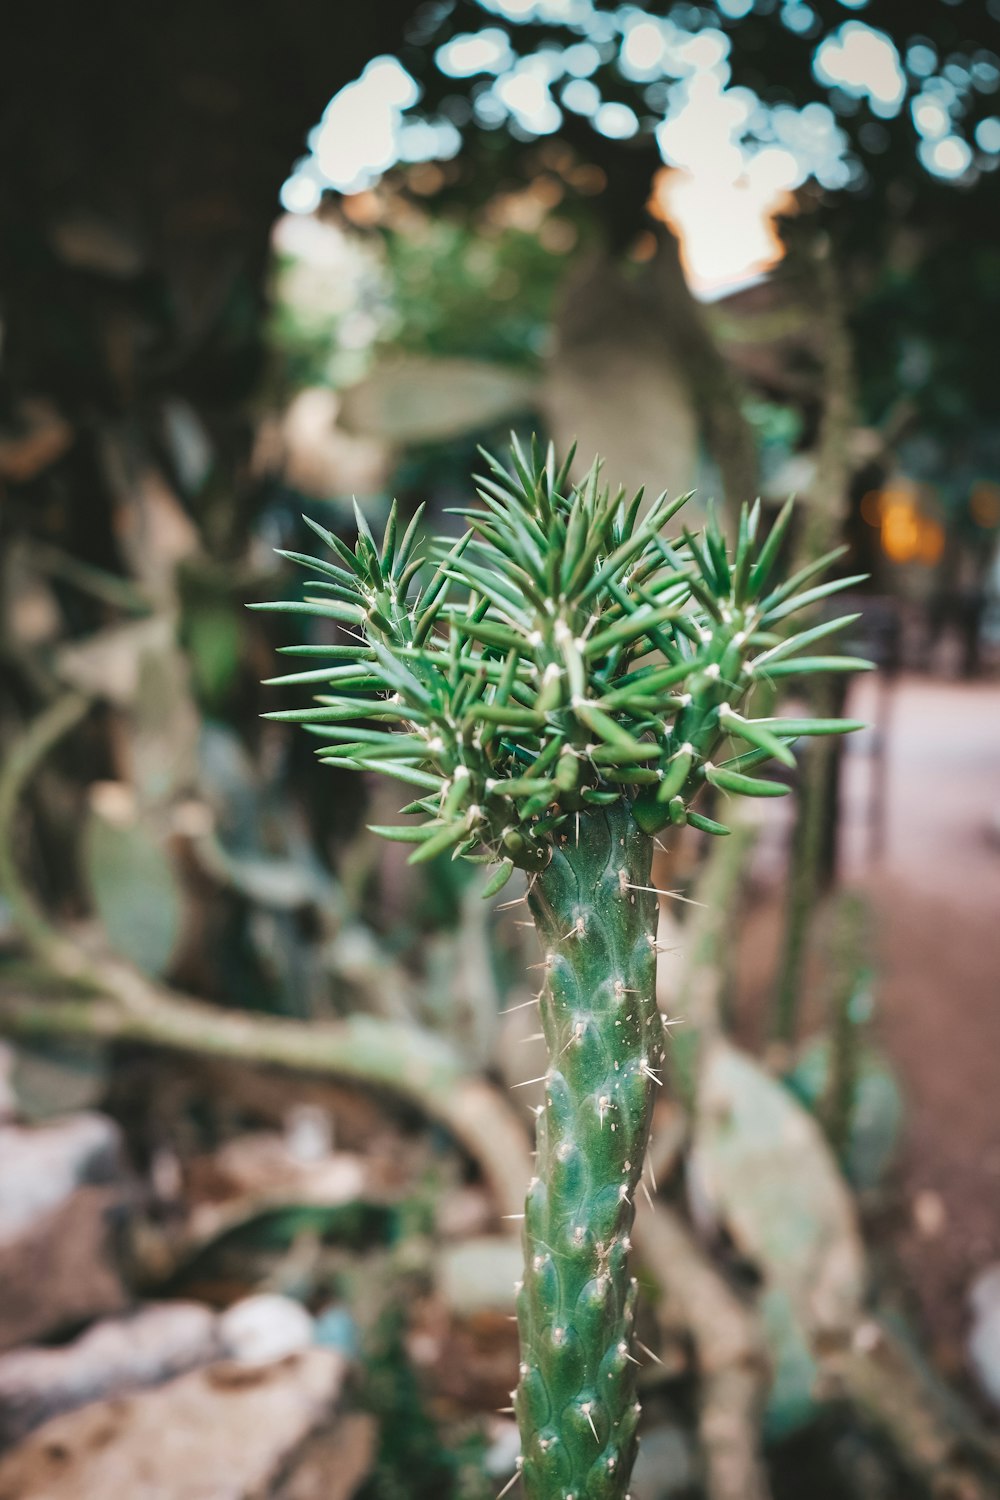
{"x":524,"y":714}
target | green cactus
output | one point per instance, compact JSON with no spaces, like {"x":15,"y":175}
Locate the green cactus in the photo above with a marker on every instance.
{"x":560,"y":688}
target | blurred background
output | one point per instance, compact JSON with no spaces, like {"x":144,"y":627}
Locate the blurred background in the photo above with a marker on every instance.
{"x":258,"y":1149}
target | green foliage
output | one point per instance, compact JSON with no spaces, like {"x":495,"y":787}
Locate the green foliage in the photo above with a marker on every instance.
{"x":412,"y":1463}
{"x":455,"y":291}
{"x":919,"y":350}
{"x":561,"y":656}
{"x":135,"y":891}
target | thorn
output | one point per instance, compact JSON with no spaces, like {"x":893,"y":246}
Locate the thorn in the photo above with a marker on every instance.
{"x":522,"y":924}
{"x":536,"y":1036}
{"x":512,"y":1216}
{"x":642,"y":1184}
{"x":508,"y":905}
{"x":511,"y":1481}
{"x":647,"y":1350}
{"x":585,"y":1408}
{"x":652,"y":1174}
{"x":504,"y":1410}
{"x":674,"y":895}
{"x":525,"y":1081}
{"x":648,"y":1071}
{"x":578,"y":1033}
{"x":523,"y":1005}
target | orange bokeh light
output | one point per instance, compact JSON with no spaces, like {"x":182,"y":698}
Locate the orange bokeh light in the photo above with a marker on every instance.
{"x":905,"y":534}
{"x":984,"y":503}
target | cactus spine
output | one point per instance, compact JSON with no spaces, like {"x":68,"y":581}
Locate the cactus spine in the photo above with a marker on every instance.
{"x":563,"y":685}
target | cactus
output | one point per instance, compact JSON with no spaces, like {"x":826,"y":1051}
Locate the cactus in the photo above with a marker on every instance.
{"x":560,"y":688}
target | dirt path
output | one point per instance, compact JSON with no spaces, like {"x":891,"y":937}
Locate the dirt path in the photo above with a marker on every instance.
{"x":936,"y":893}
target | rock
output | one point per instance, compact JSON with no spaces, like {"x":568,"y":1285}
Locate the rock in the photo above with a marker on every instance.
{"x":64,"y":1270}
{"x":40,"y":1166}
{"x":665,"y":1466}
{"x":58,"y":1076}
{"x":984,"y":1337}
{"x":334,"y":1464}
{"x":113,"y":1357}
{"x":478,"y":1275}
{"x":61,"y":1188}
{"x":221,"y":1433}
{"x":262,"y":1329}
{"x":501,"y":1456}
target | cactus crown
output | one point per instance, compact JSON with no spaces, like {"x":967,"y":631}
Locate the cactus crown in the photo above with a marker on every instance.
{"x":561,"y":655}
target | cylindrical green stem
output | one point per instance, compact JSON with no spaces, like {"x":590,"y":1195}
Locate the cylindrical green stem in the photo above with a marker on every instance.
{"x":576,"y":1402}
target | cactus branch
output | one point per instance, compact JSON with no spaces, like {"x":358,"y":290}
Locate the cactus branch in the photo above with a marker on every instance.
{"x":565,"y":684}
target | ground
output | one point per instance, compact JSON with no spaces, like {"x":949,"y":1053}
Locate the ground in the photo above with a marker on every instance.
{"x":935,"y":890}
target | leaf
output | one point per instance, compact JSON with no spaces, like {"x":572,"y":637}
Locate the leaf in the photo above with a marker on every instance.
{"x":498,"y":879}
{"x":402,"y":833}
{"x":876,"y":1114}
{"x":755,"y":733}
{"x":214,"y":640}
{"x":107,"y":664}
{"x":707,"y":825}
{"x":761,"y":1168}
{"x":134,"y":889}
{"x":743,"y":786}
{"x":440,"y":841}
{"x":419,"y":400}
{"x":805,"y":665}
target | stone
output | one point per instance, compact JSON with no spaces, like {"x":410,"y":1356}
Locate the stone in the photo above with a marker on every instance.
{"x":41,"y":1165}
{"x":264,"y":1328}
{"x":64,"y":1271}
{"x":334,"y":1464}
{"x":224,"y":1432}
{"x":118,"y":1355}
{"x":984,"y":1336}
{"x":478,"y":1275}
{"x":665,"y":1466}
